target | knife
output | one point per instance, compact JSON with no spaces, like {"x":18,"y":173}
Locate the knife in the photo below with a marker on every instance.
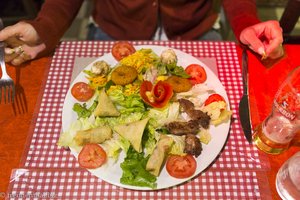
{"x":244,"y":112}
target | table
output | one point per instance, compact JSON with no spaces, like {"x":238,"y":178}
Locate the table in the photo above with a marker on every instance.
{"x":47,"y":171}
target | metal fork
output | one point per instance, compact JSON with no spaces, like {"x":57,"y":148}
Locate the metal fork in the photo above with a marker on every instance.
{"x":6,"y":83}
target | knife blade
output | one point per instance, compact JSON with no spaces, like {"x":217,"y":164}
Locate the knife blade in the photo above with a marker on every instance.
{"x":244,"y":110}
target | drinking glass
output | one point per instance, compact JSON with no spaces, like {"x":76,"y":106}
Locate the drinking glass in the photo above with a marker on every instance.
{"x":276,"y":132}
{"x":288,"y":178}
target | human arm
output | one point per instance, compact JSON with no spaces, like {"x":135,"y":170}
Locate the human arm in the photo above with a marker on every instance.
{"x":264,"y":38}
{"x":40,"y":36}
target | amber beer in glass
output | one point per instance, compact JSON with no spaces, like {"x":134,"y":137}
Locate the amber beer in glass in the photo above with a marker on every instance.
{"x":276,"y":132}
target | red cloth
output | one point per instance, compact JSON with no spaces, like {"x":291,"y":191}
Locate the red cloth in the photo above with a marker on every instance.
{"x":137,"y":20}
{"x":264,"y":81}
{"x":240,"y":14}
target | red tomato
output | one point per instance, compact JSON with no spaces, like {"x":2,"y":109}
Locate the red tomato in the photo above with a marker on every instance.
{"x":82,"y":91}
{"x":122,"y":49}
{"x":181,"y":166}
{"x":213,"y":98}
{"x":157,"y":96}
{"x":91,"y":156}
{"x":160,"y":91}
{"x":197,"y":73}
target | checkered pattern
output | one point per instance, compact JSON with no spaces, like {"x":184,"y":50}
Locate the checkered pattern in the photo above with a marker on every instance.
{"x":232,"y":175}
{"x":80,"y":184}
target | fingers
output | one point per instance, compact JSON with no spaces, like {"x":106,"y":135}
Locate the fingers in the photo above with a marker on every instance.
{"x":23,"y":53}
{"x":249,"y":38}
{"x":11,"y":31}
{"x":9,"y":54}
{"x":264,"y":38}
{"x":21,"y":32}
{"x":23,"y":57}
{"x":16,"y":55}
{"x":277,"y":52}
{"x":12,"y":53}
{"x":274,"y":47}
{"x":23,"y":43}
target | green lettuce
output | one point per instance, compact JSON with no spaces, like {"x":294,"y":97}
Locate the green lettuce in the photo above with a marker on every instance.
{"x":178,"y":145}
{"x":82,"y":111}
{"x":126,"y":104}
{"x":171,"y":68}
{"x":66,"y":138}
{"x":134,"y":170}
{"x":150,"y":138}
{"x":163,"y":116}
{"x":115,"y":145}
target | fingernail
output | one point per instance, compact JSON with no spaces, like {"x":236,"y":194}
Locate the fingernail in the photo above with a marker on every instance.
{"x":9,"y":51}
{"x":261,"y":51}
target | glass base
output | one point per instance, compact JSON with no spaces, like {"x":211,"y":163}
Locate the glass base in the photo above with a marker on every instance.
{"x":266,"y":148}
{"x":278,"y":190}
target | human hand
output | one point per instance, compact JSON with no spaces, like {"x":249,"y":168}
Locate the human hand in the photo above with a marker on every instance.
{"x":264,"y":38}
{"x":22,"y":43}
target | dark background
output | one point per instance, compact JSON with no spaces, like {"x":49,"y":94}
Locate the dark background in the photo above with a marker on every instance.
{"x":12,"y":11}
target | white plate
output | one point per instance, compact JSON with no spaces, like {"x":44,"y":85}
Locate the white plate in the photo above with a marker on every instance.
{"x":112,"y":172}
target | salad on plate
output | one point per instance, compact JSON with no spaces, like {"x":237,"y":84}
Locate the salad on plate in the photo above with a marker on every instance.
{"x":145,"y":117}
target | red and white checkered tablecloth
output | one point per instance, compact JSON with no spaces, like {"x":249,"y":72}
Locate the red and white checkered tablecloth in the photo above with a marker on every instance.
{"x":51,"y":170}
{"x":80,"y":184}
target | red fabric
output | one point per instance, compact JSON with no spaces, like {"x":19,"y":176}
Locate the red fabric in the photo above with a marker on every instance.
{"x":264,"y":81}
{"x":53,"y":20}
{"x":240,"y":14}
{"x":137,"y":20}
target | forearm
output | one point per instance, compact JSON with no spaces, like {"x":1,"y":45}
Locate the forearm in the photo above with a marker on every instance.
{"x":54,"y":19}
{"x":240,"y":14}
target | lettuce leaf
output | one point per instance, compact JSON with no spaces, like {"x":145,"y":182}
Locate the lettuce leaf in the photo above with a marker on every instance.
{"x":66,"y":138}
{"x":174,"y":69}
{"x":158,"y":117}
{"x":178,"y":145}
{"x":150,"y":138}
{"x":134,"y":170}
{"x":82,"y":110}
{"x":126,"y":103}
{"x":163,"y":116}
{"x":114,"y":146}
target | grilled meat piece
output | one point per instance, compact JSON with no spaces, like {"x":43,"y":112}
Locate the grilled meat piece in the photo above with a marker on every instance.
{"x":193,"y":145}
{"x":186,"y":105}
{"x":194,"y":114}
{"x":183,"y":128}
{"x":202,"y":118}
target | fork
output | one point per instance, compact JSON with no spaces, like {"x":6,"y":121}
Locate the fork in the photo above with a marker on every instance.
{"x":6,"y":83}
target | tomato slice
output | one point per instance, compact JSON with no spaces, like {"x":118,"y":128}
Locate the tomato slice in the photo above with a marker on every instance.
{"x":197,"y":73}
{"x":157,"y":96}
{"x":181,"y":166}
{"x":82,"y":91}
{"x":122,"y":49}
{"x":92,"y":156}
{"x":161,"y":92}
{"x":213,"y":98}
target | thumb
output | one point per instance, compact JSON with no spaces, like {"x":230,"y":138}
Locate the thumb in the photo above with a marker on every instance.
{"x":250,"y":39}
